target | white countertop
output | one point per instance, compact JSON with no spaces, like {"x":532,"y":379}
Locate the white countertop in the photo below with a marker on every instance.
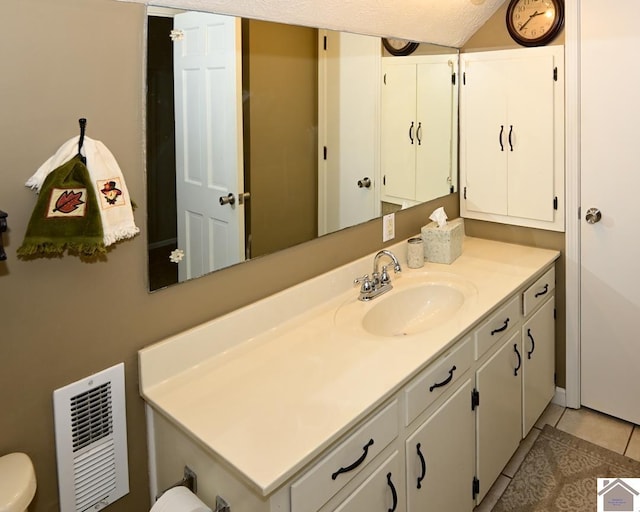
{"x":268,"y":387}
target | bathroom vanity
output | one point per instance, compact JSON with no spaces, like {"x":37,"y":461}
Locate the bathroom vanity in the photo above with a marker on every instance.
{"x":311,"y":400}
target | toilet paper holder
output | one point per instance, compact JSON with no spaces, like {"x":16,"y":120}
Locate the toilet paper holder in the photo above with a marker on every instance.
{"x":190,"y":481}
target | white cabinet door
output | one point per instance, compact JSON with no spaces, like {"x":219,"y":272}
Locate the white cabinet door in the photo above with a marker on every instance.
{"x":436,"y":111}
{"x":498,"y":417}
{"x":398,"y":161}
{"x":538,"y":342}
{"x":418,"y":134}
{"x":440,"y":457}
{"x":484,"y":133}
{"x":381,"y":492}
{"x":512,"y":137}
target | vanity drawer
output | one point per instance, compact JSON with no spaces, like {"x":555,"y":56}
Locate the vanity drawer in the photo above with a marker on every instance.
{"x":498,"y":325}
{"x":437,"y":379}
{"x":539,"y":291}
{"x":335,"y":470}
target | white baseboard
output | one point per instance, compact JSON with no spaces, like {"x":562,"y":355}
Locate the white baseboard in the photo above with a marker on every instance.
{"x":560,"y":397}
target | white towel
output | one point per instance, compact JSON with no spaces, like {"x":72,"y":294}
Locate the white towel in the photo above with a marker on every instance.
{"x":110,"y":188}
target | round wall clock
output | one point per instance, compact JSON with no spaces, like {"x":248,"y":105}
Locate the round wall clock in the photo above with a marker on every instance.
{"x":399,"y":47}
{"x":534,"y":22}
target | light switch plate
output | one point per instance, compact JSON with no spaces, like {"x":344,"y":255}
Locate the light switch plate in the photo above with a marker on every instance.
{"x":388,"y":227}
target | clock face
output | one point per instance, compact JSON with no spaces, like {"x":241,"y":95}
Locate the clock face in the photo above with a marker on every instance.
{"x":534,"y":22}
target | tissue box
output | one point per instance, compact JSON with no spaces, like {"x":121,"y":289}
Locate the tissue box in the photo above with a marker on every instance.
{"x":443,"y":245}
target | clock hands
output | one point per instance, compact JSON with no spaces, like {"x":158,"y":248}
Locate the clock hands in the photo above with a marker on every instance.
{"x":536,"y":13}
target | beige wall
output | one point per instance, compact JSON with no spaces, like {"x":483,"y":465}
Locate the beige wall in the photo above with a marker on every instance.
{"x":63,"y":319}
{"x":282,"y":63}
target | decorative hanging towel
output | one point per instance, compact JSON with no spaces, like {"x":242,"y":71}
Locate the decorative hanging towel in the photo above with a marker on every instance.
{"x":66,"y":215}
{"x":110,"y":189}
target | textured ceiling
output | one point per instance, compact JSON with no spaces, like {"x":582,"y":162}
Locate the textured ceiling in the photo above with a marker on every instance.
{"x":445,"y":22}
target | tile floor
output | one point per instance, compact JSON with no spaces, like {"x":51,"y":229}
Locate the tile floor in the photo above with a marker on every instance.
{"x":612,"y":433}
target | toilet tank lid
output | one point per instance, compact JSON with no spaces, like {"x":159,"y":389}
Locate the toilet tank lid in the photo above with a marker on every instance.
{"x":17,"y":482}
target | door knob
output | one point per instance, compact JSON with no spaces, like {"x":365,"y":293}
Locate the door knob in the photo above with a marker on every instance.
{"x":593,"y":215}
{"x":364,"y":182}
{"x":243,"y":197}
{"x":229,"y":199}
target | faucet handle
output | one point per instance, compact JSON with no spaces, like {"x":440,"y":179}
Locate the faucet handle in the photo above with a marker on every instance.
{"x":384,"y":276}
{"x":366,"y":284}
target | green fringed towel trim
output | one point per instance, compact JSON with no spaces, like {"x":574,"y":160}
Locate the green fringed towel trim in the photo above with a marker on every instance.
{"x":66,"y":215}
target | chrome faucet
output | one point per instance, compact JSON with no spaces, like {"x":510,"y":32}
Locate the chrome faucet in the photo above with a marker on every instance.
{"x":380,"y":281}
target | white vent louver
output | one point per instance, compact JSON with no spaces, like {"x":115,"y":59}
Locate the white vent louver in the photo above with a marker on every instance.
{"x":91,"y":441}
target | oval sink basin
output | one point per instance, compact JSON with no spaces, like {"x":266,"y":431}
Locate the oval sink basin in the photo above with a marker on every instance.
{"x":418,"y":302}
{"x":412,"y":310}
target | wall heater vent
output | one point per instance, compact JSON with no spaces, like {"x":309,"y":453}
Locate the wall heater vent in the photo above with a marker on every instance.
{"x":91,"y":441}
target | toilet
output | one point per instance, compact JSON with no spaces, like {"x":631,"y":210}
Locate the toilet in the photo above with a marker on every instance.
{"x":17,"y":482}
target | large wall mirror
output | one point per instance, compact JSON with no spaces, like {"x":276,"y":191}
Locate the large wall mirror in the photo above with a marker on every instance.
{"x":261,"y":136}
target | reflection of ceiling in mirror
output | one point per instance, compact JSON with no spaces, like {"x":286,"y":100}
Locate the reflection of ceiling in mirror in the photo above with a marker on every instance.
{"x":445,"y":22}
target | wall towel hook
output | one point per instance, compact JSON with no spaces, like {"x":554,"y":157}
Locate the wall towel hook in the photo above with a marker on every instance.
{"x":83,"y":128}
{"x":3,"y":228}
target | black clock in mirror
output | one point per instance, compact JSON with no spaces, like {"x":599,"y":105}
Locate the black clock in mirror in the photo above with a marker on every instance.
{"x":399,"y":47}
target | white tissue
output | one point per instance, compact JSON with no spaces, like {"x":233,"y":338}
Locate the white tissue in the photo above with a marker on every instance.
{"x":439,"y":216}
{"x":179,"y":499}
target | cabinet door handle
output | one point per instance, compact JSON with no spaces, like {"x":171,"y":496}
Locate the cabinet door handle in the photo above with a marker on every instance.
{"x":500,"y":137}
{"x":510,"y":132}
{"x":394,"y":494}
{"x":351,"y":467}
{"x":533,"y":343}
{"x":423,"y":466}
{"x":445,"y":381}
{"x":501,"y":329}
{"x":515,"y":371}
{"x":419,"y":134}
{"x":411,"y":132}
{"x":543,"y":292}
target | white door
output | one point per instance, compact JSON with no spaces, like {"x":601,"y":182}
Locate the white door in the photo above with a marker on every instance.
{"x":610,"y":179}
{"x":207,"y":79}
{"x":349,"y":97}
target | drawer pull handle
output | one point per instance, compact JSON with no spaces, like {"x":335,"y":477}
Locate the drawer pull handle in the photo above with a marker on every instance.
{"x":543,"y":292}
{"x":515,"y":371}
{"x":423,"y":466}
{"x":444,"y":382}
{"x":501,"y":329}
{"x":533,"y":343}
{"x":365,"y":451}
{"x":393,"y":493}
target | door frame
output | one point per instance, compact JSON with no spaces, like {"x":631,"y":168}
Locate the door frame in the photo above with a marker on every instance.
{"x":572,"y":202}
